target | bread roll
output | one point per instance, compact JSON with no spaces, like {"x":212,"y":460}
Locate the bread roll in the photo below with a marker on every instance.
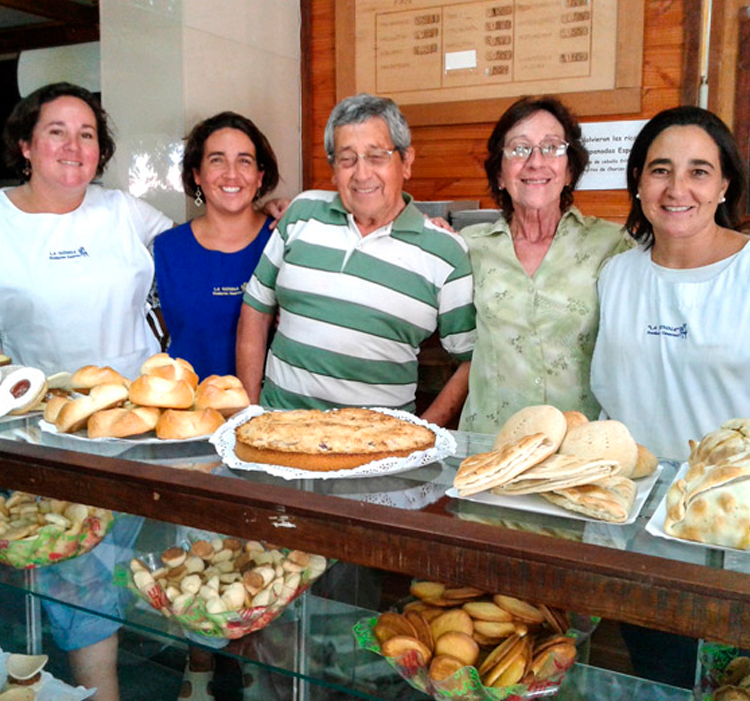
{"x":75,"y":414}
{"x":122,"y":422}
{"x":223,"y":393}
{"x":157,"y":391}
{"x":89,"y":376}
{"x":54,"y":404}
{"x":161,"y":365}
{"x":646,"y":464}
{"x":575,"y":419}
{"x":188,"y":424}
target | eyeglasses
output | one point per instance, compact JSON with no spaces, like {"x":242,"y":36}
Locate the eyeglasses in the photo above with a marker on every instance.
{"x":522,"y":151}
{"x":376,"y":158}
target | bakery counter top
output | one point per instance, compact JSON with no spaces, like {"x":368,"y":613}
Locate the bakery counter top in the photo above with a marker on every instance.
{"x":406,"y":523}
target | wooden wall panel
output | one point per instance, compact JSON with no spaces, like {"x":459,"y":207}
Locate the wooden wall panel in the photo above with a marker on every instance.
{"x":449,"y":159}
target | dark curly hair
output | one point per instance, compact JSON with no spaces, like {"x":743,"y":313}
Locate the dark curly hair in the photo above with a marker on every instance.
{"x":578,"y":156}
{"x":196,"y":140}
{"x":25,"y":115}
{"x":728,"y":213}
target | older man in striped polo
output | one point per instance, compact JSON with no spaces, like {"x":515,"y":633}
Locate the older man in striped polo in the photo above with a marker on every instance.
{"x":360,"y":278}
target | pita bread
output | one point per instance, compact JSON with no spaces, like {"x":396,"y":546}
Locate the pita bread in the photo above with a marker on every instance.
{"x":608,"y":440}
{"x":485,"y":470}
{"x":559,"y":472}
{"x":712,"y":504}
{"x":543,"y":418}
{"x":609,"y":499}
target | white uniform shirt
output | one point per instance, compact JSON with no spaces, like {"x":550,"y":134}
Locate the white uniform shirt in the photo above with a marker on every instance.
{"x":672,"y":359}
{"x":73,"y":286}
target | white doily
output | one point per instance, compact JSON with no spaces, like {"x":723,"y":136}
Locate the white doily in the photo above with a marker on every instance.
{"x":445,"y":445}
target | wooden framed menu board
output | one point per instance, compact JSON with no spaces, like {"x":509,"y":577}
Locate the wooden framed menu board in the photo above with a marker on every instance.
{"x":448,"y":61}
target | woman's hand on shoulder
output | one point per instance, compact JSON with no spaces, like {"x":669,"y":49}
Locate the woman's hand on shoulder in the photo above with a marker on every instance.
{"x":442,"y":223}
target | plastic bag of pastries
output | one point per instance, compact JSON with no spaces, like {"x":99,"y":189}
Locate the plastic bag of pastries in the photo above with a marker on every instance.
{"x":221,"y":587}
{"x":458,"y":642}
{"x":38,"y":531}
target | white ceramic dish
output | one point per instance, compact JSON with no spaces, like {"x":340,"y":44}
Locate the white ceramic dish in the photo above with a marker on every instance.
{"x":655,"y":525}
{"x":539,"y":505}
{"x":224,"y":440}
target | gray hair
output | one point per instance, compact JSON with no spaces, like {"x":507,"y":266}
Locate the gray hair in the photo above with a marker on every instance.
{"x":360,"y":108}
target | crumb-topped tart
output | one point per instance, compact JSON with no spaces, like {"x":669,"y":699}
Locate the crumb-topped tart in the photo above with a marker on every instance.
{"x":338,"y":439}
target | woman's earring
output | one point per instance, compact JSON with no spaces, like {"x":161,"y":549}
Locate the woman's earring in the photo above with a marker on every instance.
{"x":27,"y":168}
{"x":638,"y":195}
{"x":723,"y":199}
{"x":198,"y":197}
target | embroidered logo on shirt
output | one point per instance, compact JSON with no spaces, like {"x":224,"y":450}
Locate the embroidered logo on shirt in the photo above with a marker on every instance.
{"x":230,"y":291}
{"x":62,"y":255}
{"x":680,"y":331}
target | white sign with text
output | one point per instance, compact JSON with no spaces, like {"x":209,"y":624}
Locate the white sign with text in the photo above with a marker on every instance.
{"x":608,"y":144}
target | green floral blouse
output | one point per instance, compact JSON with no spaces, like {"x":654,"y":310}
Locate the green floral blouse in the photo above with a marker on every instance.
{"x":535,"y":335}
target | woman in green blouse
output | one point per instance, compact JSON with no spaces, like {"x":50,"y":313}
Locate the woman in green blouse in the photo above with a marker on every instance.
{"x":535,"y":271}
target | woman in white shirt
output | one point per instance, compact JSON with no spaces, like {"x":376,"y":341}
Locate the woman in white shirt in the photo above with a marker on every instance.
{"x":75,"y":272}
{"x":671,"y":355}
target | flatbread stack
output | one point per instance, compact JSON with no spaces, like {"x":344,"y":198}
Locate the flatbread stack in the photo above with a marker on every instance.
{"x":580,"y":465}
{"x":559,"y":472}
{"x":609,"y":499}
{"x":486,"y":470}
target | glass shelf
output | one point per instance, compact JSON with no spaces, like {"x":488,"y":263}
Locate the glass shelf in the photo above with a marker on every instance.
{"x":307,"y":654}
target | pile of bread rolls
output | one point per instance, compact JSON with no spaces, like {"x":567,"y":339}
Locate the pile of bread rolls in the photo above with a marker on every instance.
{"x":581,"y":465}
{"x":226,"y":576}
{"x":508,"y":640}
{"x":166,"y":397}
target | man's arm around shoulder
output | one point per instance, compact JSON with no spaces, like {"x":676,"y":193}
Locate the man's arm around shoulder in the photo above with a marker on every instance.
{"x":252,"y":339}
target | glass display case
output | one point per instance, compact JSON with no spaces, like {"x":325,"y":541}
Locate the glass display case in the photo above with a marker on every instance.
{"x":404,"y":523}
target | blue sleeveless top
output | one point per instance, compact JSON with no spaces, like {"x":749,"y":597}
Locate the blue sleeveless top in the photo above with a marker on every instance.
{"x":200,"y":292}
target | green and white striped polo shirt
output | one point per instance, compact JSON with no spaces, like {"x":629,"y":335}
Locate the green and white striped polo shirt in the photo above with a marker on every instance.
{"x":353,"y":310}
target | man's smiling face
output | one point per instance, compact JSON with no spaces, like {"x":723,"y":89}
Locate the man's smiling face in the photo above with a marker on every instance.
{"x":373,"y":194}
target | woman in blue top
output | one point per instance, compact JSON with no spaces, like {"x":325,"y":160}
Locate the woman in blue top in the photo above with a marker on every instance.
{"x":203,"y":265}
